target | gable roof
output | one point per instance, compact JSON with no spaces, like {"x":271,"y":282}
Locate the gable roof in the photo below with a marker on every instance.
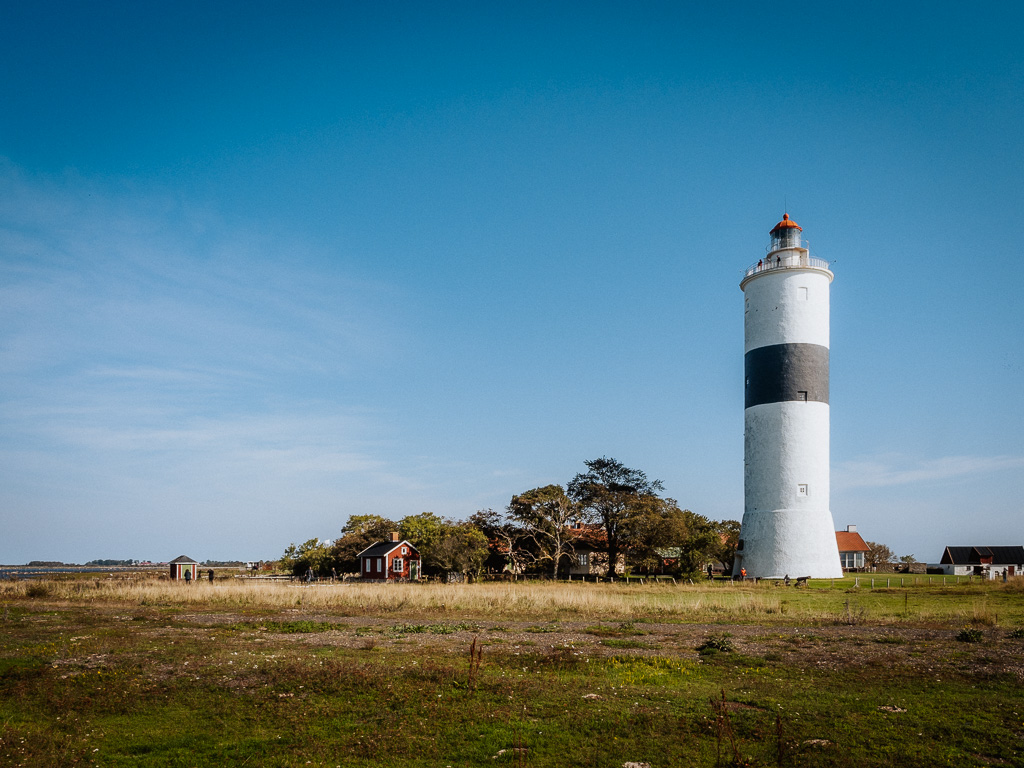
{"x":183,"y":559}
{"x":974,"y":555}
{"x":850,"y":541}
{"x":382,"y":548}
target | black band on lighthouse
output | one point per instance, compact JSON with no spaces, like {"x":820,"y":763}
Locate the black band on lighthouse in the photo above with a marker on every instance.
{"x":786,"y":373}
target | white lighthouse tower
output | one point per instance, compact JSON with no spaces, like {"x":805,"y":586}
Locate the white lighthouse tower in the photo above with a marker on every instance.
{"x":787,"y":526}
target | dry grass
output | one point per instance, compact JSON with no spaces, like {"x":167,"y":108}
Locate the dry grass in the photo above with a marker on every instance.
{"x":986,"y":604}
{"x":534,"y":600}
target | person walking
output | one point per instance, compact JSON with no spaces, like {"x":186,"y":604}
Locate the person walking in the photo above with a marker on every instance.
{"x":209,"y":575}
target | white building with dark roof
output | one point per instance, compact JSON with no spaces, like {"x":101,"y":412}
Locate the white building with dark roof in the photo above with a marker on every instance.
{"x":989,"y":562}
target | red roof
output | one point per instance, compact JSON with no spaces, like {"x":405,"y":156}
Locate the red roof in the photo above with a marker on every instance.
{"x":786,"y":223}
{"x":590,"y":534}
{"x":850,"y":541}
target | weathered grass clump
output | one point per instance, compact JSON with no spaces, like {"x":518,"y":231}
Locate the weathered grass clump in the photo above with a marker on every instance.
{"x":716,"y":644}
{"x":970,"y":635}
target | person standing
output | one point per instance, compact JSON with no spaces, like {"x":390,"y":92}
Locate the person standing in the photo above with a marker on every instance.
{"x":188,"y":575}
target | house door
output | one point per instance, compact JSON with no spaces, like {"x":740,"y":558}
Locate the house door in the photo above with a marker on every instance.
{"x":414,"y":570}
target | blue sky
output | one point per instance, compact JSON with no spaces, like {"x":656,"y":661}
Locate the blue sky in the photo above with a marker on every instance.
{"x":263,"y":266}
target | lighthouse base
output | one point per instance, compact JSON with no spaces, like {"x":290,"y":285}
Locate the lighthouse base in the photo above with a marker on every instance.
{"x":788,"y":542}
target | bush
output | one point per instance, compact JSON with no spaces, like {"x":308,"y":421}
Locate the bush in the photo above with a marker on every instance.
{"x":970,"y":635}
{"x":1018,"y":633}
{"x":716,"y":644}
{"x":38,"y":590}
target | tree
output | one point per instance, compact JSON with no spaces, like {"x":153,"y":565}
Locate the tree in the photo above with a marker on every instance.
{"x":662,"y":531}
{"x":458,"y":548}
{"x":728,"y":533}
{"x":445,"y":546}
{"x":370,"y":525}
{"x":504,"y":540}
{"x":908,"y":559}
{"x":312,"y":555}
{"x":879,"y":554}
{"x":359,"y":533}
{"x":546,"y":515}
{"x":422,"y":530}
{"x":610,"y":494}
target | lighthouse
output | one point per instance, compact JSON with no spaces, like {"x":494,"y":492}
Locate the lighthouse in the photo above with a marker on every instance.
{"x":787,"y":526}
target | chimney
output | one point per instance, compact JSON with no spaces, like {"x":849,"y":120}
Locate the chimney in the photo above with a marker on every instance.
{"x":851,"y":529}
{"x":394,"y":536}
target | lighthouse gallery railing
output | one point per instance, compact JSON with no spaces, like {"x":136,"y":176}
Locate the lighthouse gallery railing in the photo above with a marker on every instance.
{"x":767,"y":264}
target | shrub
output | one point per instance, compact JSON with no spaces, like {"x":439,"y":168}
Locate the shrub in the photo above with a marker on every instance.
{"x":714,"y":644}
{"x":970,"y":635}
{"x":1018,"y":633}
{"x":38,"y":590}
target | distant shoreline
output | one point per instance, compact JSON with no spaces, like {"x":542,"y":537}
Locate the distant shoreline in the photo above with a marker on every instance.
{"x":7,"y":571}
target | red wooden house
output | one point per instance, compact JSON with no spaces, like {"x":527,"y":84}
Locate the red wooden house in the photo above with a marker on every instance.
{"x":390,"y":561}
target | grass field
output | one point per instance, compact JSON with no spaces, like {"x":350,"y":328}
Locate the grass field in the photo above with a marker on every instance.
{"x":138,"y":671}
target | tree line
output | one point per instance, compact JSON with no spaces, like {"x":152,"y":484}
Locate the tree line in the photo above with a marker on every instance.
{"x":610,"y":508}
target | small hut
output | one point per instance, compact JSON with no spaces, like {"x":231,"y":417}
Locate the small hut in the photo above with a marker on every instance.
{"x":180,"y":565}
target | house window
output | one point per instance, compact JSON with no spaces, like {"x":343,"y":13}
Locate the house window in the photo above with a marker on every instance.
{"x":851,"y":560}
{"x":380,"y":564}
{"x":583,"y":559}
{"x":405,"y":551}
{"x":396,"y":565}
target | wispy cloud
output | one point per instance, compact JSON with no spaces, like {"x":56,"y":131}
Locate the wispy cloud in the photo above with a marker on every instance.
{"x":897,"y":469}
{"x":92,"y":278}
{"x":155,"y":357}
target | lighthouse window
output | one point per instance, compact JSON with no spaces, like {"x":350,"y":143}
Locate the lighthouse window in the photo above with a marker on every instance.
{"x":802,"y":292}
{"x":801,"y":489}
{"x":801,"y":395}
